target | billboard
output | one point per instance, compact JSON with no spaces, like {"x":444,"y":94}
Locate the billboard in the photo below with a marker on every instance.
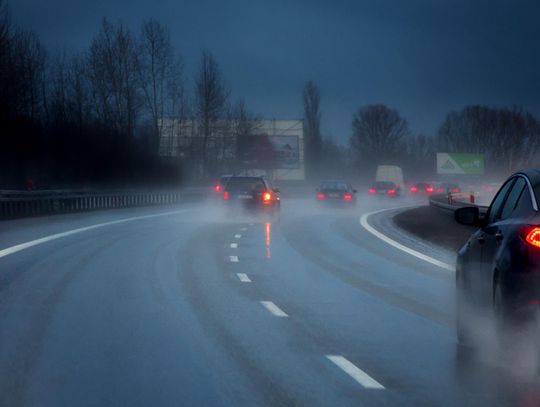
{"x":272,"y":152}
{"x":454,"y":163}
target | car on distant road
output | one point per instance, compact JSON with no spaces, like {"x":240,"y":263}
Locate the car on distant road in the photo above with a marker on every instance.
{"x":336,"y":192}
{"x":425,"y":188}
{"x":390,"y":173}
{"x":448,"y":187}
{"x":498,"y":269}
{"x":256,"y":194}
{"x":384,"y":188}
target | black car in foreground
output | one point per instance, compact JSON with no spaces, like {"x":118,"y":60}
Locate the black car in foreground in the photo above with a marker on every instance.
{"x":498,"y":269}
{"x":251,"y":194}
{"x":336,"y":193}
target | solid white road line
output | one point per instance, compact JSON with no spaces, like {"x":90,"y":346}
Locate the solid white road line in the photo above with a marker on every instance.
{"x":274,"y":309}
{"x":237,"y":236}
{"x":357,"y":374}
{"x":233,"y":259}
{"x":243,"y":277}
{"x":234,"y":245}
{"x":364,"y":222}
{"x":17,"y":248}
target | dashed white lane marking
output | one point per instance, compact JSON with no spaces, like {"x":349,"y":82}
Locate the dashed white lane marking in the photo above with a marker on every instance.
{"x":243,"y":229}
{"x":364,"y":222}
{"x":32,"y":243}
{"x":274,"y":309}
{"x":357,"y":374}
{"x":234,"y":245}
{"x":237,"y":236}
{"x":243,"y":277}
{"x":233,"y":259}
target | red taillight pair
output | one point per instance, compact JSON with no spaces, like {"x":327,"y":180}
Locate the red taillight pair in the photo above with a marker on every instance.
{"x":414,"y":188}
{"x":217,"y":188}
{"x":391,"y":191}
{"x":531,"y":235}
{"x":320,"y":195}
{"x":430,"y":189}
{"x":372,"y":190}
{"x":347,"y":197}
{"x":226,"y":195}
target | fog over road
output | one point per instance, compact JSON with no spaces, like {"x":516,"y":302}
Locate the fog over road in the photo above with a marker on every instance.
{"x":187,"y":306}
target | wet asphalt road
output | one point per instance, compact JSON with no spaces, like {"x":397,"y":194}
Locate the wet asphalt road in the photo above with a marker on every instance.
{"x":185,"y":306}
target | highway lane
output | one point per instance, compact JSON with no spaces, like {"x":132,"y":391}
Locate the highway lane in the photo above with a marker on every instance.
{"x":194,"y":308}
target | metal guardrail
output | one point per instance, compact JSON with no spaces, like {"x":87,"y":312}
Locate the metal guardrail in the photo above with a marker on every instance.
{"x":451,"y":202}
{"x":16,"y":204}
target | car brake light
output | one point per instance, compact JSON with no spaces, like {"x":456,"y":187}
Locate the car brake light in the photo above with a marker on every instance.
{"x":455,"y":190}
{"x":391,"y":191}
{"x":429,"y":189}
{"x":347,"y":197}
{"x":414,"y":189}
{"x":226,"y":195}
{"x":320,"y":195}
{"x":217,"y":188}
{"x":372,"y":190}
{"x":531,"y":234}
{"x":267,"y":197}
{"x":440,"y":190}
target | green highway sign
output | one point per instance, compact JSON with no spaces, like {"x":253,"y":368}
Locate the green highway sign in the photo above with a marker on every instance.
{"x":455,"y":163}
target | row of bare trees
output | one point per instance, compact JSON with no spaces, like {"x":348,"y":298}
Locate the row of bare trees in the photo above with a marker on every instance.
{"x":509,"y":138}
{"x":94,"y":116}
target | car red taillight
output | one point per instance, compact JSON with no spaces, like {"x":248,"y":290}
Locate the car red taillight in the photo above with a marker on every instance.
{"x":391,"y":191}
{"x":429,"y":189}
{"x":347,"y":197}
{"x":320,"y":195}
{"x":226,"y":195}
{"x":217,"y":188}
{"x":267,"y":197}
{"x":372,"y":190}
{"x":531,"y":235}
{"x":440,"y":190}
{"x":414,"y":188}
{"x":455,"y":190}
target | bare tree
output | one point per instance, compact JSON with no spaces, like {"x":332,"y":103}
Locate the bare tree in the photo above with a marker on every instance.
{"x":378,"y":134}
{"x":114,"y":79}
{"x":211,"y":95}
{"x":160,"y":75}
{"x":312,"y":131}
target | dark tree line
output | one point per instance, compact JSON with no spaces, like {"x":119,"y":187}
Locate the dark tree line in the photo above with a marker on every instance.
{"x":94,"y":117}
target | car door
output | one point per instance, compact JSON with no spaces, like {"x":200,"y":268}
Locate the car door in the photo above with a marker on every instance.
{"x":497,"y":230}
{"x":479,"y":282}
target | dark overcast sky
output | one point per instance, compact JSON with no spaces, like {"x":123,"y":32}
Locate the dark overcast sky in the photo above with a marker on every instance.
{"x":423,"y":57}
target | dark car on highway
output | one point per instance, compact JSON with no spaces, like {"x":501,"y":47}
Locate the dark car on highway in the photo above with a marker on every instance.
{"x":336,"y":192}
{"x":448,"y":187}
{"x":425,"y":188}
{"x":498,"y":269}
{"x":251,"y":193}
{"x":384,"y":188}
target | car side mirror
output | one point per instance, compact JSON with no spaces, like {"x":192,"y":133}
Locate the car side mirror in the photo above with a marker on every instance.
{"x":469,"y":215}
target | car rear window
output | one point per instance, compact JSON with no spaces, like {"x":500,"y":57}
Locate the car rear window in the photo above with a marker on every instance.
{"x":245,"y":184}
{"x":335,"y":185}
{"x":384,"y":185}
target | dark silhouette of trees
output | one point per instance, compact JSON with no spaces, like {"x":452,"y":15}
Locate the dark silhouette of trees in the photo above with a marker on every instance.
{"x":312,"y":132}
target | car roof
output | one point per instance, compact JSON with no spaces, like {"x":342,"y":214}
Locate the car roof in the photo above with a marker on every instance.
{"x":533,"y":175}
